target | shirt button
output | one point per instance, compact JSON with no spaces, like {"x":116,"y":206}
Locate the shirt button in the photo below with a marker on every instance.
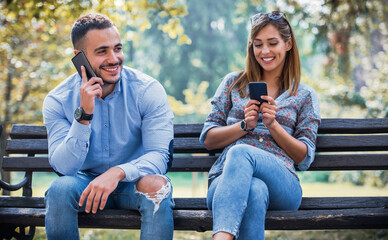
{"x":105,"y":125}
{"x":106,"y":149}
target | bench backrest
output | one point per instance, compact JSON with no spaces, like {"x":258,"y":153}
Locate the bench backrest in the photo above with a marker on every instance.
{"x":342,"y":144}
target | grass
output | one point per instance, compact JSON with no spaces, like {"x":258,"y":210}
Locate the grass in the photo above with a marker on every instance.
{"x":186,"y":185}
{"x":103,"y":234}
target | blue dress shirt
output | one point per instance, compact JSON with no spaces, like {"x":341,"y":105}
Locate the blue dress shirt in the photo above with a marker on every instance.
{"x":132,"y":128}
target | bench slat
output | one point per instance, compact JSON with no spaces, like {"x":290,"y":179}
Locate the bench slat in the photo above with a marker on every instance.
{"x":201,"y":220}
{"x":192,"y":145}
{"x":188,"y":130}
{"x":27,"y":146}
{"x":327,"y":126}
{"x":352,"y":143}
{"x":364,"y":218}
{"x":353,"y":126}
{"x":308,"y":203}
{"x":327,"y":162}
{"x":20,"y":131}
{"x":204,"y":163}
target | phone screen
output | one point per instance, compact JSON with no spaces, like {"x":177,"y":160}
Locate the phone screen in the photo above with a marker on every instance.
{"x":257,"y":89}
{"x":81,"y":60}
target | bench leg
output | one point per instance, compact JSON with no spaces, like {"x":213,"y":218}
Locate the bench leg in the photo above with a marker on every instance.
{"x":9,"y":231}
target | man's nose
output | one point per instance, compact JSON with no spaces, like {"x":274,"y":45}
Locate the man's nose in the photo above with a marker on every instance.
{"x":112,"y":57}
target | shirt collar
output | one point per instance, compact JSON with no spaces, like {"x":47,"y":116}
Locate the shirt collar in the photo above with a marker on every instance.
{"x":118,"y":84}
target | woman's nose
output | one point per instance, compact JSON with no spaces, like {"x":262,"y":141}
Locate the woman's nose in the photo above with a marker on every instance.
{"x":265,"y":49}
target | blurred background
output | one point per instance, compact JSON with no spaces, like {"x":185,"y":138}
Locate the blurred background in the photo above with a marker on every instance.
{"x":189,"y":46}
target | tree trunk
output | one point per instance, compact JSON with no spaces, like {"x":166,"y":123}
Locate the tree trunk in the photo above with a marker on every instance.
{"x":5,"y":176}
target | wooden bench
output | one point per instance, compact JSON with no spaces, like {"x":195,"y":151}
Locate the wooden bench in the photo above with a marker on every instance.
{"x":343,"y":144}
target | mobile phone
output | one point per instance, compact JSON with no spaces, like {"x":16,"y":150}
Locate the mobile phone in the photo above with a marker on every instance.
{"x":81,"y":60}
{"x":257,"y":89}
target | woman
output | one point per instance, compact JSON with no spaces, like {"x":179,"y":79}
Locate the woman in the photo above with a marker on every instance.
{"x":262,"y":142}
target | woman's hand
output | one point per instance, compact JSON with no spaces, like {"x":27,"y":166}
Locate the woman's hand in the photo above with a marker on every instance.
{"x":268,"y":110}
{"x":251,"y":113}
{"x":294,"y":148}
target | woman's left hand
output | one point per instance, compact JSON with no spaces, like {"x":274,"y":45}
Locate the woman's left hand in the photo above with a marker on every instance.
{"x":268,"y":110}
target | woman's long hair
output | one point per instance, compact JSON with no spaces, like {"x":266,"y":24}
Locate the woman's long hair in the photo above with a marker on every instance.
{"x":290,"y":76}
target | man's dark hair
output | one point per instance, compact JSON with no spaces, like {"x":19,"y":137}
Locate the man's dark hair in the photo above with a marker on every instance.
{"x":86,"y":23}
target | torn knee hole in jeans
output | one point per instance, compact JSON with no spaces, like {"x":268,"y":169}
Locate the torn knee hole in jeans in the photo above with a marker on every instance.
{"x":158,"y":196}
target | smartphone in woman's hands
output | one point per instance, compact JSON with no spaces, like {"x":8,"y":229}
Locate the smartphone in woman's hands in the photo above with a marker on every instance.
{"x":257,"y":89}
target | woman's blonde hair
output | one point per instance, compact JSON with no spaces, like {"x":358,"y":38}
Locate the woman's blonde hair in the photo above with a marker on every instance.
{"x":290,"y":76}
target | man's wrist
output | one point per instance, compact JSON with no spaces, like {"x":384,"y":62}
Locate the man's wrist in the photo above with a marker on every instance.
{"x":80,"y":115}
{"x":84,"y":122}
{"x":120,"y":173}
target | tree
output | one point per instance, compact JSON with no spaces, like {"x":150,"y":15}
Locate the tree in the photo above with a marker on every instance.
{"x":353,"y":35}
{"x":218,"y":36}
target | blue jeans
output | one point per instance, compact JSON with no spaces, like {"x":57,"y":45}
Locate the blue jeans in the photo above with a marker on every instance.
{"x":252,"y":182}
{"x":62,"y":208}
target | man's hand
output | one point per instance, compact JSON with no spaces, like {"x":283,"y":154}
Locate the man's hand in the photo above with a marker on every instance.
{"x":98,"y":190}
{"x":89,"y":90}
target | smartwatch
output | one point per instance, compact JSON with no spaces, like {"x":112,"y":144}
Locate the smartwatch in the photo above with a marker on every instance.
{"x":243,"y":126}
{"x":80,"y":115}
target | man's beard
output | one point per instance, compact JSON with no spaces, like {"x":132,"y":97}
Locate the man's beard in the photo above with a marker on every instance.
{"x":98,"y":72}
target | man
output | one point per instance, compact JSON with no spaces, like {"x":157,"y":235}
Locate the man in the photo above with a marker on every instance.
{"x":111,"y":138}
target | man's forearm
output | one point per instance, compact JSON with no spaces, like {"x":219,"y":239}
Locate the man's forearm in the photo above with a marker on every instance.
{"x":67,"y":154}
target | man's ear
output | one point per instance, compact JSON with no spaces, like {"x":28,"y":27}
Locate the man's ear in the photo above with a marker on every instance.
{"x":76,"y":51}
{"x":288,"y":45}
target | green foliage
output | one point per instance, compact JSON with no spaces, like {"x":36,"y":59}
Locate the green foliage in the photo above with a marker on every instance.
{"x":353,"y":36}
{"x":35,"y":48}
{"x":197,"y":105}
{"x":218,"y":39}
{"x":315,"y":176}
{"x":371,"y":178}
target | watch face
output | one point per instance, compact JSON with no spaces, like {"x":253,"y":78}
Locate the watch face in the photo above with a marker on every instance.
{"x":242,"y":125}
{"x":78,"y":114}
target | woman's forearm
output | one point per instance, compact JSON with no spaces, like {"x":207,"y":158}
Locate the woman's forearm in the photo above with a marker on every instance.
{"x":294,"y":148}
{"x":220,"y":137}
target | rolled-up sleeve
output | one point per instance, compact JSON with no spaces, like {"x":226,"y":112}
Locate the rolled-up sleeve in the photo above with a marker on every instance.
{"x":307,"y":127}
{"x":221,"y":106}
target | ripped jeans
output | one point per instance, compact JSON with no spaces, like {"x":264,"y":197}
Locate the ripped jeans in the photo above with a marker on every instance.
{"x":62,"y":208}
{"x":253,"y":180}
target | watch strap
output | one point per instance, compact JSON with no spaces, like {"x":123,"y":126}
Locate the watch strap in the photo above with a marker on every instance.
{"x":80,"y":115}
{"x":86,"y":116}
